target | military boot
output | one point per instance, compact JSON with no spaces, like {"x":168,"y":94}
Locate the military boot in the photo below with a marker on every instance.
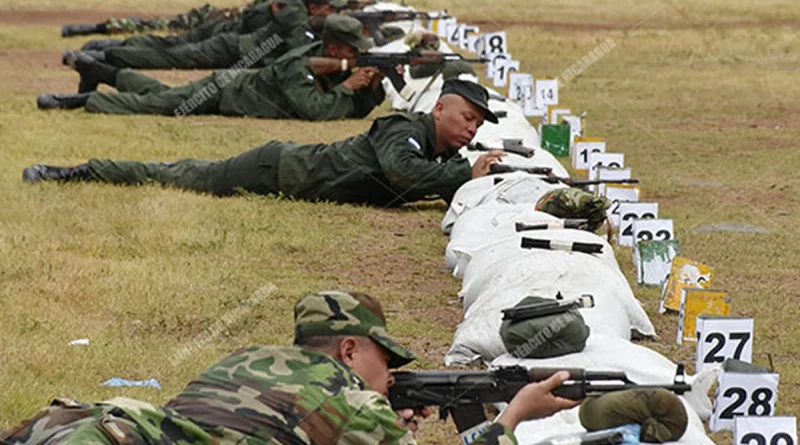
{"x":92,"y":72}
{"x":83,"y":30}
{"x":40,"y":172}
{"x":102,"y":44}
{"x":69,"y":57}
{"x":64,"y":101}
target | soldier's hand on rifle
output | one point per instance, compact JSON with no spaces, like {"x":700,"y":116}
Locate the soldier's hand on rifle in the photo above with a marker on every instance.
{"x":361,"y":78}
{"x":484,"y":162}
{"x":536,"y":401}
{"x":407,"y":418}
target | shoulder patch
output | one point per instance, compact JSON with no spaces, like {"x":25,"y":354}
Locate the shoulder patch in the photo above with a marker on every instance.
{"x":414,"y":142}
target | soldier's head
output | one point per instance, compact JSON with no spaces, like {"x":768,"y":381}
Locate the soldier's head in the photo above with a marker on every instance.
{"x":461,"y":109}
{"x":324,"y":8}
{"x":343,"y":37}
{"x":350,"y":326}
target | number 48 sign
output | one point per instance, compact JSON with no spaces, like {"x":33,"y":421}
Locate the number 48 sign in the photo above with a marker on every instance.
{"x":740,"y":394}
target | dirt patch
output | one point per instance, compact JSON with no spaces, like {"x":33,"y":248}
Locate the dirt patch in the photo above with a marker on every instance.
{"x":68,"y":16}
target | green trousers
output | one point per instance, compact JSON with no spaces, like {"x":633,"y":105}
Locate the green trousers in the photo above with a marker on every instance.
{"x":255,"y":171}
{"x":220,"y":51}
{"x":195,"y":35}
{"x":141,"y":94}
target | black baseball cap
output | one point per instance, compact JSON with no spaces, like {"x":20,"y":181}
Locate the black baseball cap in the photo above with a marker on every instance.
{"x":472,"y":92}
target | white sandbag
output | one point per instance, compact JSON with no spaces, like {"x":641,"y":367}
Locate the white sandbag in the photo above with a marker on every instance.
{"x":479,"y":228}
{"x":642,"y":365}
{"x":478,"y":336}
{"x":545,"y":272}
{"x":509,"y":188}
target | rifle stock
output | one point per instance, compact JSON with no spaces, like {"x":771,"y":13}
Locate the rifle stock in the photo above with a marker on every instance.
{"x":461,"y":392}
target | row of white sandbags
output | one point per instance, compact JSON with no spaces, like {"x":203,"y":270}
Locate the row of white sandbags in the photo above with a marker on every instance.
{"x":497,"y":273}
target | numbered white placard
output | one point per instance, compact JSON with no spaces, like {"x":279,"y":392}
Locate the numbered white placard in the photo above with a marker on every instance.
{"x":495,"y":43}
{"x":466,"y":31}
{"x":610,"y":173}
{"x":598,"y":160}
{"x":611,"y":160}
{"x":653,"y":229}
{"x":496,"y":60}
{"x":740,"y":394}
{"x":722,"y":338}
{"x":779,"y":430}
{"x":583,"y":148}
{"x":546,"y":91}
{"x":575,"y":129}
{"x":442,"y":26}
{"x":475,"y":43}
{"x":617,"y":195}
{"x":454,"y":31}
{"x":630,"y":211}
{"x":502,"y":70}
{"x":520,"y":90}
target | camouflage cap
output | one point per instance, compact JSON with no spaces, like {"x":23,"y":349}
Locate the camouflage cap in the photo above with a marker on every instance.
{"x":345,"y":29}
{"x":337,"y":4}
{"x":575,"y":204}
{"x":330,"y":313}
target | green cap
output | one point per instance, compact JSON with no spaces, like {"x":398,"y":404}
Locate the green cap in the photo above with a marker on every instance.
{"x":330,"y":313}
{"x":472,"y":92}
{"x":574,"y":203}
{"x":345,"y":29}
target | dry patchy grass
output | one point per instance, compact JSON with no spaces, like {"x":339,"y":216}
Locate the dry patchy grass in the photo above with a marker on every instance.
{"x":702,"y":99}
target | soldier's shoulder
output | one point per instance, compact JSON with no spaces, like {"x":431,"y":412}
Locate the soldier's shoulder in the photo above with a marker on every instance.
{"x":298,"y":53}
{"x":403,"y":119}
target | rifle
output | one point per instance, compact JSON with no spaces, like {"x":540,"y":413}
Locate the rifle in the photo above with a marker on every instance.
{"x":543,"y":309}
{"x":552,"y":179}
{"x":567,"y":246}
{"x":496,"y":169}
{"x":510,"y":145}
{"x":373,"y":19}
{"x":463,"y":393}
{"x":358,"y":4}
{"x":560,"y":224}
{"x":387,"y":63}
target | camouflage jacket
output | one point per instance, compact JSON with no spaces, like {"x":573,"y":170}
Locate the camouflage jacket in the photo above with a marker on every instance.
{"x":267,"y":395}
{"x":391,"y":164}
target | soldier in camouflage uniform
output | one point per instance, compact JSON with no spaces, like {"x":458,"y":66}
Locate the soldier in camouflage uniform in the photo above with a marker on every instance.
{"x":401,"y":158}
{"x":180,"y":22}
{"x":329,"y":388}
{"x":287,"y":89}
{"x":286,"y":24}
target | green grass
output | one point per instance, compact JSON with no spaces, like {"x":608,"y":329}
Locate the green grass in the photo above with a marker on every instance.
{"x":702,"y":99}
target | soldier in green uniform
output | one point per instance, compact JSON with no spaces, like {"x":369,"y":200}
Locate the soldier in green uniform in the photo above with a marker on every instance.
{"x":401,"y":158}
{"x":329,"y":388}
{"x":286,"y":24}
{"x":289,"y":88}
{"x":218,"y":44}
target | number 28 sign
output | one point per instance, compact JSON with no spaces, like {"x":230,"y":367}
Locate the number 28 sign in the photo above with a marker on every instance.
{"x":740,"y":394}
